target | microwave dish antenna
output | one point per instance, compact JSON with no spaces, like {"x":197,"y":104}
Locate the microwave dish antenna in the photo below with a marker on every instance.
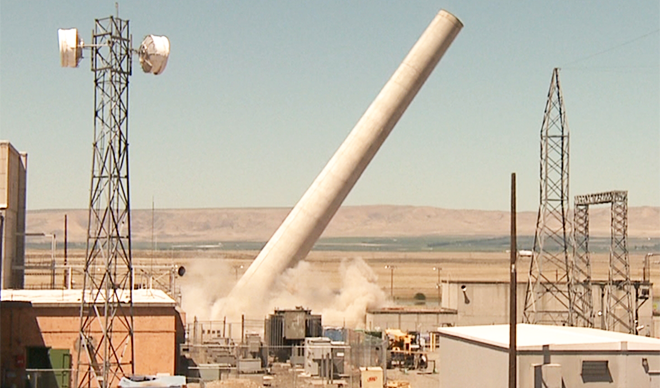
{"x":71,"y":45}
{"x":153,"y":54}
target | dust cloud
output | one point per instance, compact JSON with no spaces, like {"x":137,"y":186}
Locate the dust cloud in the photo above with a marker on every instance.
{"x":205,"y":281}
{"x":204,"y":293}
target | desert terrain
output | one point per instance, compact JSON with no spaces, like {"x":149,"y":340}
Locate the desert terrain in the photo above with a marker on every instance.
{"x":217,"y":245}
{"x":180,"y":226}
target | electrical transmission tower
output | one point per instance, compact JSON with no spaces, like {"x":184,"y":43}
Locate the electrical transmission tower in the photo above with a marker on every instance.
{"x":548,"y":298}
{"x":618,"y":309}
{"x":105,"y":343}
{"x":581,"y":282}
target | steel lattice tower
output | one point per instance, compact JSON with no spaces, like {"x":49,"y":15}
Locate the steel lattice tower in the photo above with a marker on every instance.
{"x":581,"y":282}
{"x":618,"y":306}
{"x":106,"y":314}
{"x":548,"y":298}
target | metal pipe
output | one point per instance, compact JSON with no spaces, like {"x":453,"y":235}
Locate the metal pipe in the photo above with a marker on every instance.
{"x":303,"y":226}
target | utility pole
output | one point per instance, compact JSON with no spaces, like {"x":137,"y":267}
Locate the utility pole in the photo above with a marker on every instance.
{"x":391,"y":268}
{"x":513,"y":297}
{"x":66,"y":262}
{"x":438,"y":284}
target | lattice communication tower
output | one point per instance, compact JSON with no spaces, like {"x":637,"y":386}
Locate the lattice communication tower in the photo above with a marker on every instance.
{"x":105,"y":344}
{"x":548,"y":299}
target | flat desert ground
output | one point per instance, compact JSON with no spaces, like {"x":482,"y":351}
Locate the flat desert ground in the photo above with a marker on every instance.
{"x":468,"y":245}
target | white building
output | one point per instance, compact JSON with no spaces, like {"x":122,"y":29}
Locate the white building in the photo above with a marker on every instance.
{"x":479,"y":303}
{"x":548,"y":356}
{"x":13,"y":173}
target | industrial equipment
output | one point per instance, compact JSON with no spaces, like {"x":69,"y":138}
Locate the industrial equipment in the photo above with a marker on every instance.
{"x":286,"y":330}
{"x":404,"y":350}
{"x":324,"y":357}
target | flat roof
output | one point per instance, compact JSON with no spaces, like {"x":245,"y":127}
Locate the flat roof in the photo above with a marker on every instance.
{"x":410,"y":310}
{"x":534,"y":337}
{"x":68,"y":298}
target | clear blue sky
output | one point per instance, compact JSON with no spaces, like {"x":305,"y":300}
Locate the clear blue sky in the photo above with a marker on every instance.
{"x":258,"y":95}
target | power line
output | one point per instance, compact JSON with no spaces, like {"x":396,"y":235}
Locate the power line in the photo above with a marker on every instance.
{"x":615,"y":69}
{"x":612,"y":48}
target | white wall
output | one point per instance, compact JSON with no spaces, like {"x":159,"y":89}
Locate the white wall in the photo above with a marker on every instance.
{"x":409,"y":321}
{"x":12,"y":205}
{"x":468,"y":364}
{"x":486,"y":304}
{"x":625,"y":368}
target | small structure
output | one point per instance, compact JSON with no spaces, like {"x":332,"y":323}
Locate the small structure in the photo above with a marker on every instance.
{"x":371,"y":377}
{"x":548,"y":356}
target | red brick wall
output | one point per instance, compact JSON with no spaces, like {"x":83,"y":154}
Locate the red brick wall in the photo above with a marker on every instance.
{"x":156,"y":330}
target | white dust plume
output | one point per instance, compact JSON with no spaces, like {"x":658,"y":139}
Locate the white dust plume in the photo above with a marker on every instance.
{"x":205,"y":293}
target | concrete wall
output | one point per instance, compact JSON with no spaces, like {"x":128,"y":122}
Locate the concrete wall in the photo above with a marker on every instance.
{"x":481,"y":303}
{"x":409,"y":320}
{"x":484,"y":303}
{"x":464,"y":364}
{"x":158,"y":333}
{"x":625,"y":368}
{"x":13,"y":167}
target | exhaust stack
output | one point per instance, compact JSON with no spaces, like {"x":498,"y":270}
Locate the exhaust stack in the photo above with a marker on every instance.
{"x":304,"y":225}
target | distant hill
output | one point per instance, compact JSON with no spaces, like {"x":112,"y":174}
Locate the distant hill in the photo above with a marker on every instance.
{"x":258,"y":224}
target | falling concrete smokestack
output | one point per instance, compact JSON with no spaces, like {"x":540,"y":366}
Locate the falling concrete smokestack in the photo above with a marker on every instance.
{"x":309,"y":218}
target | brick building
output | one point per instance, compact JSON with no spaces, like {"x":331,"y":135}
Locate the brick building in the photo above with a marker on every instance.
{"x":39,"y":330}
